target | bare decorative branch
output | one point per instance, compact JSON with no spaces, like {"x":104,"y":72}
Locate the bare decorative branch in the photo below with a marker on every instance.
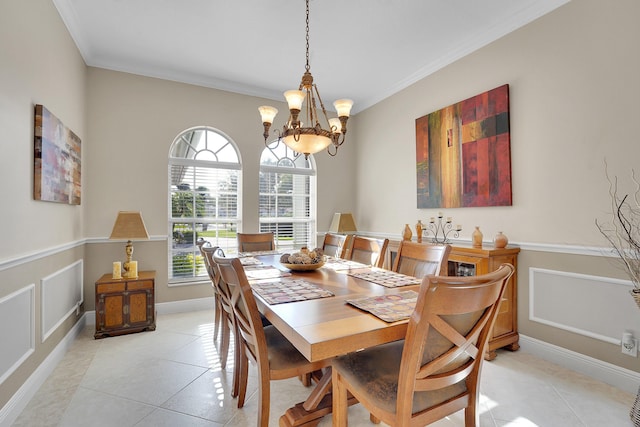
{"x":622,"y":230}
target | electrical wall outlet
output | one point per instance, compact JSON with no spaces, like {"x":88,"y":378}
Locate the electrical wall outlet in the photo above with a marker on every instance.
{"x":629,"y":345}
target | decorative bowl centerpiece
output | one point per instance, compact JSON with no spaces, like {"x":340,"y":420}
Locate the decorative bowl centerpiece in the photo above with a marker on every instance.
{"x":304,"y":260}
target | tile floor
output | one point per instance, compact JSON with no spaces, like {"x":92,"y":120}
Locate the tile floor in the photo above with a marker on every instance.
{"x":172,"y":377}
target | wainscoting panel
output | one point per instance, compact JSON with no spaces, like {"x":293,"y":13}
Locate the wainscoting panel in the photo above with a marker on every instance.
{"x":62,"y":294}
{"x":596,"y":307}
{"x":17,"y":329}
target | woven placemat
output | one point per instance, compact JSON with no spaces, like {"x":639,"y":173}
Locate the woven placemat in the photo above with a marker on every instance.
{"x":389,"y":307}
{"x":288,"y":290}
{"x":389,"y":279}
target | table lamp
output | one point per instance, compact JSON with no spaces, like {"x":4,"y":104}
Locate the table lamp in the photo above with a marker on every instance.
{"x":129,"y":226}
{"x":343,"y":223}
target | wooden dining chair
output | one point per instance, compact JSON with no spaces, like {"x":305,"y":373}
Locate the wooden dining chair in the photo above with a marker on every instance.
{"x":276,"y":358}
{"x":336,"y":245}
{"x":419,"y":259}
{"x":368,"y":251}
{"x":435,"y":371}
{"x":253,"y":242}
{"x":207,"y":251}
{"x":227,"y":319}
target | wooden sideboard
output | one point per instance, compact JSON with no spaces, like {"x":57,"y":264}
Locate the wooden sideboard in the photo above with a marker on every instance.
{"x":124,"y":306}
{"x":465,"y":260}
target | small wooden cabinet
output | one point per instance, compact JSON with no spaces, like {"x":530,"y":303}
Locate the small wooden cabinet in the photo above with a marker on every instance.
{"x":465,"y":260}
{"x":125,"y":306}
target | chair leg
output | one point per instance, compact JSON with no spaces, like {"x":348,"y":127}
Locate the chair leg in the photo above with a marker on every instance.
{"x":305,"y":379}
{"x":340,"y":405}
{"x":264,"y":397}
{"x":224,"y":346}
{"x":217,"y":318}
{"x":374,"y":419}
{"x":471,"y":416}
{"x":236,"y":366}
{"x":243,"y":374}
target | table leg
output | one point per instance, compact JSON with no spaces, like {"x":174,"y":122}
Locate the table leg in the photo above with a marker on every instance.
{"x":318,"y":404}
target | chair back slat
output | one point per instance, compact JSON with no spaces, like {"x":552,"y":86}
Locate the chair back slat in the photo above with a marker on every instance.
{"x":336,"y":245}
{"x":420,"y":260}
{"x":254,"y":242}
{"x":207,"y":252}
{"x":367,"y":250}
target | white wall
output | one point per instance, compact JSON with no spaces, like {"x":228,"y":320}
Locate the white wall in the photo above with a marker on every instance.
{"x":132,"y":122}
{"x":574,"y":94}
{"x":574,"y":91}
{"x":39,"y":65}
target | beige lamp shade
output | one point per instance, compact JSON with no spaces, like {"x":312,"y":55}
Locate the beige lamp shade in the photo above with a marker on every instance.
{"x":129,"y":226}
{"x":343,"y":223}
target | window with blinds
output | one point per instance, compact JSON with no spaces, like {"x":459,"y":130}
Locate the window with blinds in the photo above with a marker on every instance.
{"x":204,"y":199}
{"x":287,"y":205}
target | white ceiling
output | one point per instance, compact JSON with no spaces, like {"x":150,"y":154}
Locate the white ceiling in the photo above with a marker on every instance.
{"x":365,"y":50}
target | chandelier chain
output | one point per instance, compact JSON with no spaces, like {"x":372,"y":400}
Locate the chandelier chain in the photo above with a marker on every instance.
{"x":307,"y":67}
{"x":311,"y":137}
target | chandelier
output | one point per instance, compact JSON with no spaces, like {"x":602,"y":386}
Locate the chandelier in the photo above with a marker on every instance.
{"x":315,"y":137}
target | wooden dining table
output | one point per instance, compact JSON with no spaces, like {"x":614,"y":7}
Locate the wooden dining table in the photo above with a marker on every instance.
{"x":323,"y":328}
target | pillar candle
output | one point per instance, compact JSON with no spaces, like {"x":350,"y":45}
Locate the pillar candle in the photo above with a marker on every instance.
{"x":133,"y":269}
{"x":117,"y":270}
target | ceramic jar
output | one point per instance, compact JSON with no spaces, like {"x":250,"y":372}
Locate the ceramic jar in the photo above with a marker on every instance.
{"x":500,"y":241}
{"x":406,"y":234}
{"x":419,"y":228}
{"x":476,"y":238}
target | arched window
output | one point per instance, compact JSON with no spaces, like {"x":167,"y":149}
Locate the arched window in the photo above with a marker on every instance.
{"x":288,"y":196}
{"x":205,"y":197}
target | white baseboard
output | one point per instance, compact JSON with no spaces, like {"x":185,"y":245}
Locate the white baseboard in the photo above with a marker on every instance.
{"x":619,"y":377}
{"x":10,"y":412}
{"x":196,"y":304}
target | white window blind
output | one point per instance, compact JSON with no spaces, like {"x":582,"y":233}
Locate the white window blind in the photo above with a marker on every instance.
{"x":287,"y":196}
{"x":204,"y":199}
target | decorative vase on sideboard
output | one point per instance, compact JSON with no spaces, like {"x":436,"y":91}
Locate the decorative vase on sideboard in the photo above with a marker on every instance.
{"x":406,"y":234}
{"x":476,"y":238}
{"x":500,"y":241}
{"x":419,"y":228}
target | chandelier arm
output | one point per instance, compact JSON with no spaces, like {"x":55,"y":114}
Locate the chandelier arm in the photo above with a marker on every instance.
{"x":311,"y":108}
{"x":266,"y":126}
{"x":324,"y":112}
{"x":329,"y":149}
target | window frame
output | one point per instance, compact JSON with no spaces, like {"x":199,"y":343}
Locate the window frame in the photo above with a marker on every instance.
{"x":199,"y":274}
{"x":308,"y":171}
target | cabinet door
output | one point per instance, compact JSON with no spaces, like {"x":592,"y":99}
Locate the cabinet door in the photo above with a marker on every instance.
{"x":138,"y":309}
{"x":461,"y":265}
{"x":112,"y":314}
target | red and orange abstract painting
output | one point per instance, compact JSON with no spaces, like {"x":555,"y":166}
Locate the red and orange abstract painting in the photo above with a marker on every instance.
{"x":463,"y":154}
